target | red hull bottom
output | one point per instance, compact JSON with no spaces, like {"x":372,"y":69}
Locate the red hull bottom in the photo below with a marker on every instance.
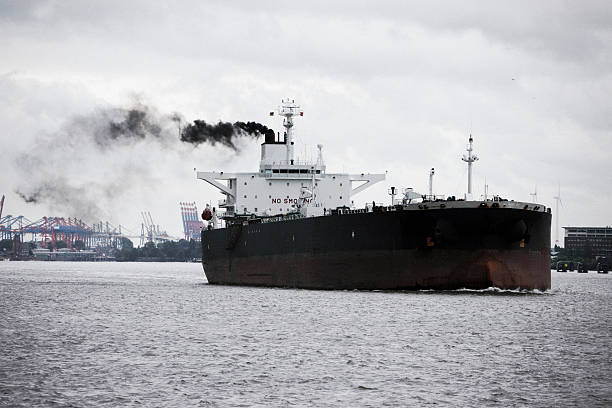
{"x":388,"y":270}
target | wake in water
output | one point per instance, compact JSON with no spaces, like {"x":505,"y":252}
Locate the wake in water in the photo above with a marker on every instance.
{"x":492,"y":290}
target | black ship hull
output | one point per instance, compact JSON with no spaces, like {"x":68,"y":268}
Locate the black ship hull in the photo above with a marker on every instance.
{"x":388,"y":249}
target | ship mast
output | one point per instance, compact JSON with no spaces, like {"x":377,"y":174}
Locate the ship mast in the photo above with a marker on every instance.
{"x":469,"y":158}
{"x":557,"y":198}
{"x":431,"y":174}
{"x":288,"y":109}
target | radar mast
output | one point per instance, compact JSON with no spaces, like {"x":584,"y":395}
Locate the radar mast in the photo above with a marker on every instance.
{"x":288,"y":109}
{"x":469,"y":158}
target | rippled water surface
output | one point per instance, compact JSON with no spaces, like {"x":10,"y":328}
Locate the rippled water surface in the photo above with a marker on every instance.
{"x":154,"y":334}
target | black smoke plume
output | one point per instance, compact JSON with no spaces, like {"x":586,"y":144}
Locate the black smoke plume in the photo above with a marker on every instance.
{"x":223,"y":132}
{"x":29,"y":198}
{"x":136,"y":122}
{"x":95,"y":160}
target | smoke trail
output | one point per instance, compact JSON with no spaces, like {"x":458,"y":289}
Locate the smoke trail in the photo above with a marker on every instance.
{"x":223,"y":132}
{"x":136,"y":123}
{"x":62,"y":195}
{"x":87,"y":168}
{"x":111,"y":125}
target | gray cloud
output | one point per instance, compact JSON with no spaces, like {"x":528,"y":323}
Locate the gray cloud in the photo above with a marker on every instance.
{"x":531,"y":80}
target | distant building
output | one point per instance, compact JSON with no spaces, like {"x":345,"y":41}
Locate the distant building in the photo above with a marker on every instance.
{"x":589,"y":241}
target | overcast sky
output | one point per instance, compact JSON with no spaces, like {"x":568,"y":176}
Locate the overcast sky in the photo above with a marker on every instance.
{"x":392,"y":86}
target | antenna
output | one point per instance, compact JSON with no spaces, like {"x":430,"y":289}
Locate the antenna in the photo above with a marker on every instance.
{"x":431,"y":174}
{"x":486,"y":189}
{"x":320,"y":155}
{"x":558,"y":199}
{"x":534,"y":195}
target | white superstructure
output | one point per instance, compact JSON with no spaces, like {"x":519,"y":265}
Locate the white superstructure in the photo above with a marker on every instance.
{"x":284,"y":184}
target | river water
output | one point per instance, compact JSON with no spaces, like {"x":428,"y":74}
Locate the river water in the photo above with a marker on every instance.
{"x":156,"y":334}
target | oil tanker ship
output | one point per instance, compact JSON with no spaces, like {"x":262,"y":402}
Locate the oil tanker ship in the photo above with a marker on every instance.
{"x":292,"y":224}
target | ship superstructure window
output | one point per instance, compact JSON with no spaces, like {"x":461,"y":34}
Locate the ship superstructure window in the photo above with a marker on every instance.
{"x":245,"y":183}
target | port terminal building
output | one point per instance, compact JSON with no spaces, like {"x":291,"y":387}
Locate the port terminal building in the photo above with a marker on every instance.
{"x":594,"y":241}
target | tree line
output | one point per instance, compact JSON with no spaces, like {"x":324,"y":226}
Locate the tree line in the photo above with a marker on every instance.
{"x":171,"y":251}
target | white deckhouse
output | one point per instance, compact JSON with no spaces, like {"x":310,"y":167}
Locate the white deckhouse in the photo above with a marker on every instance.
{"x":285,"y":185}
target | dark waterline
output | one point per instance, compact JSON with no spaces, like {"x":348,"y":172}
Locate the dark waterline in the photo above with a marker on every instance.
{"x":108,"y":334}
